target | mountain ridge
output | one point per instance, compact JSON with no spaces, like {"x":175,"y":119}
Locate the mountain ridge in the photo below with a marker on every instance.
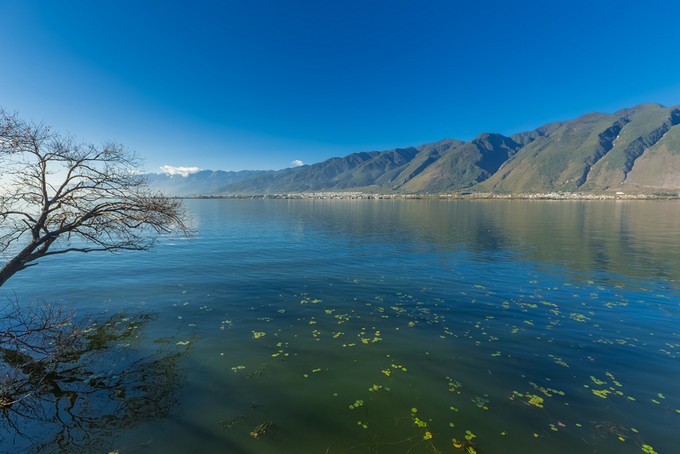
{"x":635,"y":149}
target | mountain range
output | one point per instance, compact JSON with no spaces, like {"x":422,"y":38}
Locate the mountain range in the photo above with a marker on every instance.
{"x":635,"y":150}
{"x":198,"y":183}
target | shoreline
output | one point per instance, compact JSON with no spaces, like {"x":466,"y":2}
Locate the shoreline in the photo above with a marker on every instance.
{"x":443,"y":196}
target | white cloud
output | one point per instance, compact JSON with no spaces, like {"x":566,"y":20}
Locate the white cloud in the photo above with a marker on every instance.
{"x":298,"y":163}
{"x":184,"y":171}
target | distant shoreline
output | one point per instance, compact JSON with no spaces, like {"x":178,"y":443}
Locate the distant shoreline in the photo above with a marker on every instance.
{"x":452,"y":196}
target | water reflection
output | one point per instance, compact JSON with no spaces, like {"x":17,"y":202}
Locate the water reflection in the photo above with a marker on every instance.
{"x":88,"y":385}
{"x":625,"y":238}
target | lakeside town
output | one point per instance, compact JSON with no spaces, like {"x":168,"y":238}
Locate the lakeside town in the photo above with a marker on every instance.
{"x":353,"y":195}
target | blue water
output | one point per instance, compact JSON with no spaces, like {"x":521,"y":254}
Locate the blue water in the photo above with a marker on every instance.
{"x":333,"y":326}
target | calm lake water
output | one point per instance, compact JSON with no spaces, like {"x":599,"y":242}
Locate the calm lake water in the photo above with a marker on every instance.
{"x":332,"y":326}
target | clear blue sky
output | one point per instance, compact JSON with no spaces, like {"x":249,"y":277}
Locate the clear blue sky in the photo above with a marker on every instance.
{"x":258,"y":84}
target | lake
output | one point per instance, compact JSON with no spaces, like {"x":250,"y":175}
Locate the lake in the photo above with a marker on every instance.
{"x":372,"y":326}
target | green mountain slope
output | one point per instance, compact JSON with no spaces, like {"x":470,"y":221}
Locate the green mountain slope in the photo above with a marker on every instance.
{"x":658,"y":168}
{"x":427,"y":154}
{"x":645,"y":126}
{"x":559,"y":160}
{"x":463,"y":166}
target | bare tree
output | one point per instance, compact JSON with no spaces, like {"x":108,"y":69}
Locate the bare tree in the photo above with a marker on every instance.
{"x":59,"y":196}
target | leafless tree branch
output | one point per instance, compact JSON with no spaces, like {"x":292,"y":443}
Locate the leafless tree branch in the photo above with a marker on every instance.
{"x":59,"y":196}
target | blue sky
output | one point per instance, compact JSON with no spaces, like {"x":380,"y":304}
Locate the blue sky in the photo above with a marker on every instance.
{"x":259,"y":84}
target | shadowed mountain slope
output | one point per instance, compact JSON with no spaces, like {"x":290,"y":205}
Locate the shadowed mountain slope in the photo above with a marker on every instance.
{"x":465,"y":165}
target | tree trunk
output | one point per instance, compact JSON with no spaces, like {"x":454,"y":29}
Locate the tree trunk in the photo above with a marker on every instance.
{"x":11,"y":267}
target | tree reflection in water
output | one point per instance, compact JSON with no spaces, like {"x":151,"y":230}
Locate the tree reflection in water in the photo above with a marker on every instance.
{"x":81,"y":385}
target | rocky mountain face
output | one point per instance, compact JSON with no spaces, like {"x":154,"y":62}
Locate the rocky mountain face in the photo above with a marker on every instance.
{"x":632,"y":150}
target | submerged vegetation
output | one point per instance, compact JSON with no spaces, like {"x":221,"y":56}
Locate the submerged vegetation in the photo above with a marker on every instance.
{"x":391,"y":349}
